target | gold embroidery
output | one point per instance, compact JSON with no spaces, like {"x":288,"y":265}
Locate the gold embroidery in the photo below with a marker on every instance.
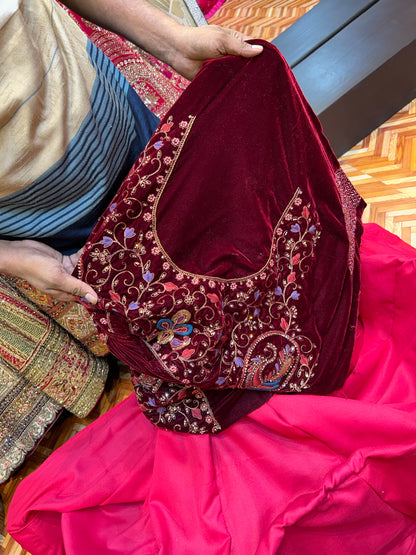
{"x":46,"y":355}
{"x":72,"y":316}
{"x":26,"y":412}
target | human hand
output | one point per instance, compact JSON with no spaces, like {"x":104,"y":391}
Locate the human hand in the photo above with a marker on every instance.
{"x":194,"y":45}
{"x":183,"y":48}
{"x":46,"y":269}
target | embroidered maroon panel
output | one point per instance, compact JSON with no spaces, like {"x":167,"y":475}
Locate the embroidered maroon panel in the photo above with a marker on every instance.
{"x":225,"y":262}
{"x":350,"y":201}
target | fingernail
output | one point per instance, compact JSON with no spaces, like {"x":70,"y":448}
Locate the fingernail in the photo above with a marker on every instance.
{"x":90,"y":298}
{"x":256,"y":47}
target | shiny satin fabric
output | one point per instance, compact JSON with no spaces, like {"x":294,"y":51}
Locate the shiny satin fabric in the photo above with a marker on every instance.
{"x":227,"y":265}
{"x":303,"y":474}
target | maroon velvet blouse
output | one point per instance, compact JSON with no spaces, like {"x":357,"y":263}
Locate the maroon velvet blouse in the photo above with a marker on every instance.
{"x":227,"y":264}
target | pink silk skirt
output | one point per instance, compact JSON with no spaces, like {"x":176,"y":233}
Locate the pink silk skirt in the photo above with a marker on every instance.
{"x":301,"y":475}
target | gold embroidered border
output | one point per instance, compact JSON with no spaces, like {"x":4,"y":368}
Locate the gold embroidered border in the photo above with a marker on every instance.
{"x":71,"y":315}
{"x":46,"y":355}
{"x":25,"y":415}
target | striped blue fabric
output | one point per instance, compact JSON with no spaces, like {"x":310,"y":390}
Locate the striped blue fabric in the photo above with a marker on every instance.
{"x":115,"y":130}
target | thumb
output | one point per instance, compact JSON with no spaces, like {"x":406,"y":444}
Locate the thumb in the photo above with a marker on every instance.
{"x":237,"y":45}
{"x":250,"y":50}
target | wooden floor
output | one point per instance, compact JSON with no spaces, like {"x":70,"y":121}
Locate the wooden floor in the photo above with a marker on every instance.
{"x":382,"y":168}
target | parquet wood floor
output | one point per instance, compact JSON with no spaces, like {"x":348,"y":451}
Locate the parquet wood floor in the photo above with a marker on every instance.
{"x":382,"y":167}
{"x":261,"y":18}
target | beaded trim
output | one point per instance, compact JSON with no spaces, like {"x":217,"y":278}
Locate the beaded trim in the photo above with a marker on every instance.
{"x":350,"y":201}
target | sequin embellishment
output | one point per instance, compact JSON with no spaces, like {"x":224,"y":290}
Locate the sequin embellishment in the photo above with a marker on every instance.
{"x":350,"y":200}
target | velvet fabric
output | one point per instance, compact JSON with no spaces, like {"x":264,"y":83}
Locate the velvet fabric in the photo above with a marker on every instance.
{"x":227,"y":264}
{"x":303,"y":474}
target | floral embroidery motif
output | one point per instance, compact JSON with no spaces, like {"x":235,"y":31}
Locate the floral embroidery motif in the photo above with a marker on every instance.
{"x":176,"y":325}
{"x":350,"y":200}
{"x":172,"y":407}
{"x":246,"y":333}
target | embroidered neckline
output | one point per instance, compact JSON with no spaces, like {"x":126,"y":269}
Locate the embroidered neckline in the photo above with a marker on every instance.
{"x":158,"y":243}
